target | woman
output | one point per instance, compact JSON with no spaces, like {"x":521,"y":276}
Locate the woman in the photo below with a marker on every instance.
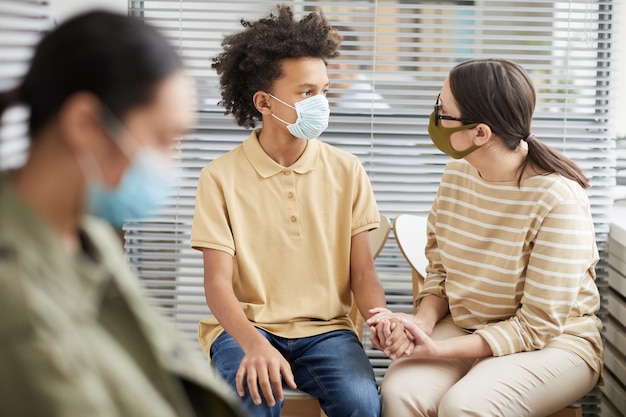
{"x":108,"y":97}
{"x":505,"y":323}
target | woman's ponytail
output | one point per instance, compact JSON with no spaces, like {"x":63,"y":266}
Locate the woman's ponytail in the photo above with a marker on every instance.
{"x":544,"y":157}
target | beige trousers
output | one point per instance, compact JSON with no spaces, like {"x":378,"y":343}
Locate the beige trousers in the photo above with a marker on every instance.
{"x":528,"y":384}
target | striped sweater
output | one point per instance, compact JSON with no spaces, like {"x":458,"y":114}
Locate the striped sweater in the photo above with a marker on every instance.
{"x":516,"y":264}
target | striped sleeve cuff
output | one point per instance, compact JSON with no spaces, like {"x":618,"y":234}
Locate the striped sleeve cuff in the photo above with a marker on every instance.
{"x":502,"y":338}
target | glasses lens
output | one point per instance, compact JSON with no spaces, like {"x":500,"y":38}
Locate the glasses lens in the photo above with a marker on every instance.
{"x":437,"y":110}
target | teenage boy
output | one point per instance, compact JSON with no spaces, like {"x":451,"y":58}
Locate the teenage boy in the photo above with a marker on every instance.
{"x":283,"y":222}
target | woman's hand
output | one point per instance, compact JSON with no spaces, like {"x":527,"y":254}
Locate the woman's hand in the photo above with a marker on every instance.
{"x":460,"y":347}
{"x":423,"y":346}
{"x":388,"y":334}
{"x":387,"y":331}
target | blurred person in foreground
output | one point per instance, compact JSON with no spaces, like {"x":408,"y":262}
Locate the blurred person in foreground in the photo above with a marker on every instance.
{"x":108,"y":98}
{"x":506,"y":320}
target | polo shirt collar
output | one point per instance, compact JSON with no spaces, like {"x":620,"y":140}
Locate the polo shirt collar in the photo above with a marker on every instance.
{"x":267,"y":167}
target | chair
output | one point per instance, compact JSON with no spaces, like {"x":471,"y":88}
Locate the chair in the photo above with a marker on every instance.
{"x":410,"y":233}
{"x":569,"y":411}
{"x":300,"y":404}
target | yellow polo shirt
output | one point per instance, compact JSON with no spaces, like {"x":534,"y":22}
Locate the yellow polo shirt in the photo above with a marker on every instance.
{"x":289,"y":230}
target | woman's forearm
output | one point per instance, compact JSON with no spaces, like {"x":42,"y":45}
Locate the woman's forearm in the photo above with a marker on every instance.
{"x":463,"y":347}
{"x":432,"y":309}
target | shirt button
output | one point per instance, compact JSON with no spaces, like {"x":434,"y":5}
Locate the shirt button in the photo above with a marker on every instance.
{"x":287,"y":172}
{"x":293,"y":219}
{"x":289,"y":194}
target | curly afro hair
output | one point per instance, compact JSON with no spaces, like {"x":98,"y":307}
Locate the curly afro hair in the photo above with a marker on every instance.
{"x":251,"y":58}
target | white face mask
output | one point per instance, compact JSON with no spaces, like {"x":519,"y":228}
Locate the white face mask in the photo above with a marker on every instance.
{"x":313,"y":114}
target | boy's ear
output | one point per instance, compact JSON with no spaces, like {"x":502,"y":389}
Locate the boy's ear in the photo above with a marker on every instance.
{"x":483,"y":134}
{"x":261,"y":102}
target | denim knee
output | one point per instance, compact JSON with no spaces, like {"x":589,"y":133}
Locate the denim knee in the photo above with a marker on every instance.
{"x":334,"y":368}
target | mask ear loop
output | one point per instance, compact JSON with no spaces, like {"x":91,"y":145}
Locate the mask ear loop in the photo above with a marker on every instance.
{"x":278,"y":118}
{"x":282,"y":102}
{"x":276,"y":98}
{"x":124,"y":145}
{"x":87,"y":163}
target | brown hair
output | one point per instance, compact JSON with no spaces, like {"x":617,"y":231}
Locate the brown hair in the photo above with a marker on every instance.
{"x":500,"y":94}
{"x":251,"y":58}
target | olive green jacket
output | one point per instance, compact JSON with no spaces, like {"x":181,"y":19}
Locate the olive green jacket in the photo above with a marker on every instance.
{"x":77,"y":338}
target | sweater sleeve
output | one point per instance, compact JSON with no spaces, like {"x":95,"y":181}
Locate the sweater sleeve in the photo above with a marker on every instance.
{"x":563,"y":254}
{"x":434,"y":282}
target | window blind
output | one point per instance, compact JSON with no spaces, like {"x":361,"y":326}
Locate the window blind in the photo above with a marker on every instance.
{"x":394,"y":59}
{"x":21,"y":25}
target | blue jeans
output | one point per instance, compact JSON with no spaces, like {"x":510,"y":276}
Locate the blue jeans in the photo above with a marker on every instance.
{"x":332,"y":367}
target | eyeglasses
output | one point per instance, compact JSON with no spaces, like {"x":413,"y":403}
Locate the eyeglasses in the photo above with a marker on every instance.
{"x":442,"y":117}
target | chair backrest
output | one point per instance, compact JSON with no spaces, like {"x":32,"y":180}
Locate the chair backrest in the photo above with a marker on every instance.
{"x":410,"y":233}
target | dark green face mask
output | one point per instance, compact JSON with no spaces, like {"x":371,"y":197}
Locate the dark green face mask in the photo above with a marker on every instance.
{"x":440,"y":136}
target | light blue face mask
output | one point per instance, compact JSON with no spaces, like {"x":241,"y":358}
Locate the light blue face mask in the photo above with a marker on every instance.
{"x":313,"y":114}
{"x":145,"y":187}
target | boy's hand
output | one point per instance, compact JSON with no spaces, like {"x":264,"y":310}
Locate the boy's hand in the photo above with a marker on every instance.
{"x":264,"y":367}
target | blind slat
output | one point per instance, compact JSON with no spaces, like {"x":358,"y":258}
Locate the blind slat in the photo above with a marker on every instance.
{"x":21,"y":25}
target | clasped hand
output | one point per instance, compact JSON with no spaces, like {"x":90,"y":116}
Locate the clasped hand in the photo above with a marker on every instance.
{"x":400,"y":335}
